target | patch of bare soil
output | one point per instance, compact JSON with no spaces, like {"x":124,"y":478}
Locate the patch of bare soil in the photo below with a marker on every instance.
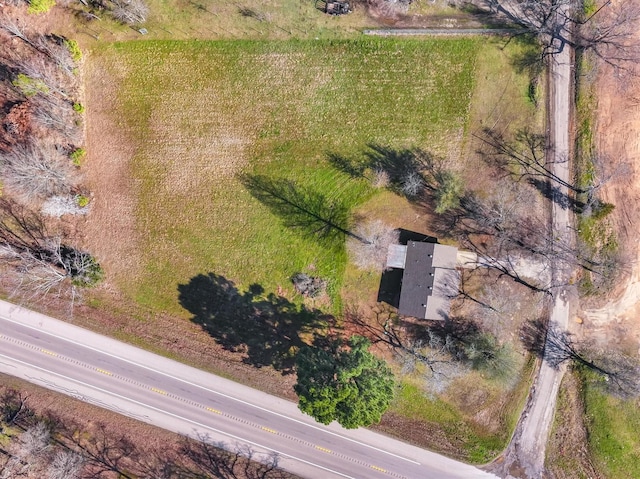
{"x":110,"y":230}
{"x":617,"y":126}
{"x":422,"y":434}
{"x":400,"y":15}
{"x":567,"y":453}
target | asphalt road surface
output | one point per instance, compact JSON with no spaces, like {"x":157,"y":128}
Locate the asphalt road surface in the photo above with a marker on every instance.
{"x":185,"y":400}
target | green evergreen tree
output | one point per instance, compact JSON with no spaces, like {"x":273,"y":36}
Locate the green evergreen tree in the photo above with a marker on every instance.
{"x":343,"y":382}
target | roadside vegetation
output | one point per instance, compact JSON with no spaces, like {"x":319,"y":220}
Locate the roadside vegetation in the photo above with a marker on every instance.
{"x":41,"y":129}
{"x":45,"y":434}
{"x":249,"y":162}
{"x":594,"y":227}
{"x":612,"y":424}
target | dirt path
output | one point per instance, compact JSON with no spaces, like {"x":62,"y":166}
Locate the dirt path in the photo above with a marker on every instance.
{"x":525,"y":454}
{"x":386,"y":32}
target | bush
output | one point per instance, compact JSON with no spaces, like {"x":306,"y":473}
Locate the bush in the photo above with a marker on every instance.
{"x":601,"y":210}
{"x":308,"y":285}
{"x":449,"y":192}
{"x":82,"y":200}
{"x":40,"y":6}
{"x":77,"y":156}
{"x":74,"y":50}
{"x":78,"y":108}
{"x":29,"y":86}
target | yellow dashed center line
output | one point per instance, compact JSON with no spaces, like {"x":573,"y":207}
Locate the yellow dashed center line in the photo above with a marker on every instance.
{"x":164,"y":393}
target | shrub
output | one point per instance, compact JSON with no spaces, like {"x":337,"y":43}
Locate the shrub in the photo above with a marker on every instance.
{"x":82,"y":200}
{"x":77,"y":156}
{"x":81,"y":267}
{"x":40,"y":6}
{"x":307,"y":285}
{"x":29,"y":86}
{"x":78,"y":108}
{"x":74,"y":49}
{"x":449,"y":192}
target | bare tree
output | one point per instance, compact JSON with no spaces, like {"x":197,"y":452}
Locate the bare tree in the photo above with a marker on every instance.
{"x":41,"y":261}
{"x":65,"y":465}
{"x":35,"y":171}
{"x":209,"y":459}
{"x":27,"y":453}
{"x":412,"y":185}
{"x":102,"y":451}
{"x":13,"y":405}
{"x":556,"y":346}
{"x":608,"y":31}
{"x":373,"y":253}
{"x":54,"y":114}
{"x":130,"y":12}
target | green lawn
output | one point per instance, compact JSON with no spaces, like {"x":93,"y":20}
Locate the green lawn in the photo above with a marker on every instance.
{"x":450,"y":423}
{"x":613,"y":426}
{"x":202,"y":113}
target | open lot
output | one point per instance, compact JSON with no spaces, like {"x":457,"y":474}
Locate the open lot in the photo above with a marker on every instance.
{"x":174,"y":126}
{"x":197,"y":115}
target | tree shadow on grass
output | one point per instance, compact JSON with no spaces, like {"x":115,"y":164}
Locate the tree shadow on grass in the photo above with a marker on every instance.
{"x":407,"y":172}
{"x":267,"y":329}
{"x":312,"y":212}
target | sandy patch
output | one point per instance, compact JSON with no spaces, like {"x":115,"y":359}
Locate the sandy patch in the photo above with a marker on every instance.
{"x":618,"y":140}
{"x":110,"y":231}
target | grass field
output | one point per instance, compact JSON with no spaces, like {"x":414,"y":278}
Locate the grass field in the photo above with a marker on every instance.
{"x":450,"y":421}
{"x":613,"y":426}
{"x":200,"y":113}
{"x":276,"y":19}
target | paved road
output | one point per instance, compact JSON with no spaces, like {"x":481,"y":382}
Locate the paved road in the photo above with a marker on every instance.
{"x":179,"y":398}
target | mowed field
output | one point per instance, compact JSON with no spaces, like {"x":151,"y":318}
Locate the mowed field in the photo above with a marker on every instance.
{"x":191,"y":117}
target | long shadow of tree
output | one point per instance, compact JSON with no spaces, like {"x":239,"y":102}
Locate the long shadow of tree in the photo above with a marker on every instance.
{"x":556,"y":346}
{"x":267,"y":329}
{"x":409,"y":172}
{"x":312,"y":212}
{"x":523,"y":157}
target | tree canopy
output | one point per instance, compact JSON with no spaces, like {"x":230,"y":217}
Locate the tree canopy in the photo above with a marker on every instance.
{"x":343,"y":381}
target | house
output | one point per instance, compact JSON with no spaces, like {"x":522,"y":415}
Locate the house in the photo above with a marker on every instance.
{"x":429,"y":280}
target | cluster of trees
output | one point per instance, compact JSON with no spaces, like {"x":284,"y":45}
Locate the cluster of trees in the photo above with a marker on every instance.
{"x":50,"y":446}
{"x":39,"y":162}
{"x":441,"y":350}
{"x":129,"y":12}
{"x":606,"y":29}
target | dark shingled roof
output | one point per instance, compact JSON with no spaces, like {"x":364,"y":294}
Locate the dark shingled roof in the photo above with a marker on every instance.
{"x":429,"y":281}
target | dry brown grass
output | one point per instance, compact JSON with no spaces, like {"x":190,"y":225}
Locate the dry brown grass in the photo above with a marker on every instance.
{"x":568,"y":455}
{"x":110,"y":231}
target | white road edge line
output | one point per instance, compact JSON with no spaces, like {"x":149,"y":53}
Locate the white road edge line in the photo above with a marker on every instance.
{"x":209,"y":390}
{"x":237,"y":438}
